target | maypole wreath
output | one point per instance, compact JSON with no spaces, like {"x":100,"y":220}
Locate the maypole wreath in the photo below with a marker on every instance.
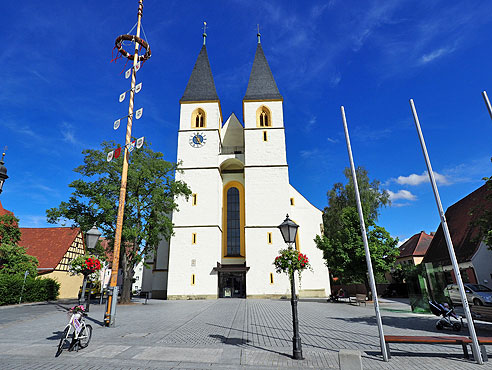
{"x":291,"y":260}
{"x":119,"y":45}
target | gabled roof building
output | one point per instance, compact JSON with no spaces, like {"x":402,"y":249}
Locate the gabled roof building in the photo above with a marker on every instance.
{"x":473,"y":255}
{"x":414,"y":249}
{"x":55,"y":247}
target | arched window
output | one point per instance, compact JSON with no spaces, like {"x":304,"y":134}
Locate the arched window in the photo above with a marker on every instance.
{"x":263,"y":117}
{"x":233,"y":223}
{"x":198,"y":118}
{"x":233,"y":220}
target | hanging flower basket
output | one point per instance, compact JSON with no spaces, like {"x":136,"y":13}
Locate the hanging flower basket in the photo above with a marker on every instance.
{"x":291,"y":260}
{"x":86,"y":265}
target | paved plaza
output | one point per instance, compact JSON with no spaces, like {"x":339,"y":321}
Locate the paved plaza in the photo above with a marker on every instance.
{"x":223,"y":334}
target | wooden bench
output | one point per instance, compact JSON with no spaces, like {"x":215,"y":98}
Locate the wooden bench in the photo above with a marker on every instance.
{"x":463,"y":341}
{"x":482,"y":313}
{"x":358,"y":299}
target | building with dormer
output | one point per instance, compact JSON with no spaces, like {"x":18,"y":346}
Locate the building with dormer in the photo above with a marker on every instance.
{"x":225,"y":236}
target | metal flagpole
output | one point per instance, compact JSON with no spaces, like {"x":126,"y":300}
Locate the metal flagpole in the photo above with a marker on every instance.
{"x":475,"y":346}
{"x":487,"y":102}
{"x":372,"y":281}
{"x":111,"y":306}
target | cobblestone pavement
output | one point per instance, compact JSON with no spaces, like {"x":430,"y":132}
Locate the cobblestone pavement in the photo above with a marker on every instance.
{"x":223,"y":334}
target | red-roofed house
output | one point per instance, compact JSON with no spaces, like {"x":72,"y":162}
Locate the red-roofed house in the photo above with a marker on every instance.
{"x":413,"y":250}
{"x":474,"y":257}
{"x":55,"y":247}
{"x":3,"y":211}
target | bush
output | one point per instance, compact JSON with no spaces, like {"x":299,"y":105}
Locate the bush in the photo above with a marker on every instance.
{"x":35,"y":290}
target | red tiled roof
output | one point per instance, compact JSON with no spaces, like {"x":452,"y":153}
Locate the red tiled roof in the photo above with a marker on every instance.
{"x":48,"y":244}
{"x":461,"y":218}
{"x":3,"y":211}
{"x":416,"y":246}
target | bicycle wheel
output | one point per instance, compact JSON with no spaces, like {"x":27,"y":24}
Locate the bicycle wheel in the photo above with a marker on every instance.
{"x":64,"y":342}
{"x":85,"y":336}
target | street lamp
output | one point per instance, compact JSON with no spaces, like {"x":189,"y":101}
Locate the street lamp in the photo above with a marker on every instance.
{"x":288,"y":228}
{"x":3,"y":172}
{"x":91,"y":238}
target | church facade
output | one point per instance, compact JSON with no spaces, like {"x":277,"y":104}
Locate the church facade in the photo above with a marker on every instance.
{"x":225,"y":236}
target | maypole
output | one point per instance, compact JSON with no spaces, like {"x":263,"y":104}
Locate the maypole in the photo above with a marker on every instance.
{"x":109,"y":317}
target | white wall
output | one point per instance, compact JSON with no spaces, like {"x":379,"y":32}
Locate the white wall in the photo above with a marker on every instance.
{"x":482,"y":262}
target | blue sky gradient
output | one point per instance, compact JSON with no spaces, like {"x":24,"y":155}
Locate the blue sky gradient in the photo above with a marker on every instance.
{"x":60,"y":92}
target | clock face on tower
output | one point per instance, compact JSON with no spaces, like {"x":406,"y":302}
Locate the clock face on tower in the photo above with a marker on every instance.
{"x":197,"y":139}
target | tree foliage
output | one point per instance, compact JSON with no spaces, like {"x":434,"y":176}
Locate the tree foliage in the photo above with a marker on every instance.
{"x":341,"y":242}
{"x":150,"y":200}
{"x":13,"y":258}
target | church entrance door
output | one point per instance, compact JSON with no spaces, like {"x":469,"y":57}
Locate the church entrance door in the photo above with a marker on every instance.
{"x":232,"y":284}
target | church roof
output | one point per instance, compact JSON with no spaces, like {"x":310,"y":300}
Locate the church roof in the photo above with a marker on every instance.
{"x":261,"y":85}
{"x":201,"y":86}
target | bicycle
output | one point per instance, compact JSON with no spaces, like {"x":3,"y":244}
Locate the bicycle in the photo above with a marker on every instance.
{"x":77,"y":330}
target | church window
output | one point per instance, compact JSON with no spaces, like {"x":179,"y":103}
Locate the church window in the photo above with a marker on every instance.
{"x":271,"y":278}
{"x":233,"y":223}
{"x":193,"y":238}
{"x":265,"y":138}
{"x":193,"y":199}
{"x":233,"y":220}
{"x":292,"y":201}
{"x":198,"y":118}
{"x":263,"y":117}
{"x":269,"y":238}
{"x":192,"y":279}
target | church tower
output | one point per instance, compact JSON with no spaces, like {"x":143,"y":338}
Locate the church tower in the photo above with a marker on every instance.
{"x":197,"y":224}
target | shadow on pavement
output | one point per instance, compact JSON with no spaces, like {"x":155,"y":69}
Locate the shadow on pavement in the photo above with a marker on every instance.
{"x":240,"y":342}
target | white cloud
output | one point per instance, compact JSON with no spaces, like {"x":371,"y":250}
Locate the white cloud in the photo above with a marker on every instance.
{"x":435,"y":54}
{"x":332,"y":140}
{"x":415,"y":179}
{"x":401,"y":194}
{"x":309,"y":153}
{"x":68,"y":133}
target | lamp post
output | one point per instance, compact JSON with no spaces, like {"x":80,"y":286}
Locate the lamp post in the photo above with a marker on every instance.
{"x":288,"y":228}
{"x":91,"y":238}
{"x":3,"y":172}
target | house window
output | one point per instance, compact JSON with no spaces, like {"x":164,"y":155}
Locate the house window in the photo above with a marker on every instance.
{"x":271,"y":278}
{"x":269,"y":238}
{"x":193,"y":238}
{"x":292,"y":201}
{"x":192,"y":279}
{"x":263,"y":117}
{"x":265,"y":137}
{"x":193,"y":199}
{"x":198,"y":118}
{"x":298,"y":246}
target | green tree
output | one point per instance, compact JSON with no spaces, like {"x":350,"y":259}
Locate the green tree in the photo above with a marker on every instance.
{"x":13,"y":258}
{"x":485,"y":220}
{"x":341,"y":242}
{"x":150,"y":200}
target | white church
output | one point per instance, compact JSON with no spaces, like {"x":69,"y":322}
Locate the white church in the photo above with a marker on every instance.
{"x":226,"y":236}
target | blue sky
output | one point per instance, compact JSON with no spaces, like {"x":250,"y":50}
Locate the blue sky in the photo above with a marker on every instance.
{"x":59,"y":91}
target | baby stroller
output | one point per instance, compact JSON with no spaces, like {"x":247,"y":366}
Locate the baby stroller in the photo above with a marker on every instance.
{"x":443,"y":309}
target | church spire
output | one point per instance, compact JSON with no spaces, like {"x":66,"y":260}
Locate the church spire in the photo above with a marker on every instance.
{"x":261,"y":85}
{"x":201,"y":86}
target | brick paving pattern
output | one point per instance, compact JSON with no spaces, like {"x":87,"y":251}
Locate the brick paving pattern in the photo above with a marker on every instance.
{"x":223,"y":334}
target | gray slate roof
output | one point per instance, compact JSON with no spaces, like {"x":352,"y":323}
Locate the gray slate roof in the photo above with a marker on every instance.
{"x":261,"y":83}
{"x":201,"y":86}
